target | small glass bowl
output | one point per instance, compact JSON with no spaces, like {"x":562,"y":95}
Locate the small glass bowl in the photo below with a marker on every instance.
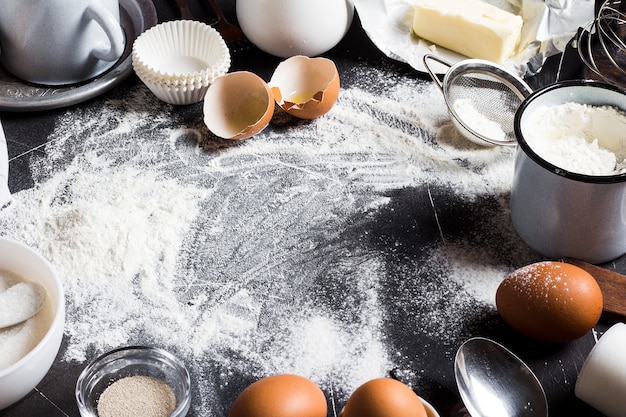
{"x":132,"y":361}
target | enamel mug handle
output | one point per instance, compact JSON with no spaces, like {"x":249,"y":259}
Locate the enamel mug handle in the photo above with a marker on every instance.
{"x":113,"y":30}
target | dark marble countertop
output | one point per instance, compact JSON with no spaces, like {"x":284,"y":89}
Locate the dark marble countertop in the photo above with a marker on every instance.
{"x":399,"y":227}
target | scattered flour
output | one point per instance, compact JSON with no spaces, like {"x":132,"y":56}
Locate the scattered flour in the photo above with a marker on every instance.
{"x":315,"y":247}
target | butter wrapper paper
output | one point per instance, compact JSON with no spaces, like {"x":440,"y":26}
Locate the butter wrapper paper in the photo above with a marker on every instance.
{"x":548,"y":26}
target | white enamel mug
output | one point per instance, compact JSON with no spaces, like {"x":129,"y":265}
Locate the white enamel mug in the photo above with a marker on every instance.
{"x":559,"y":213}
{"x":56,"y":42}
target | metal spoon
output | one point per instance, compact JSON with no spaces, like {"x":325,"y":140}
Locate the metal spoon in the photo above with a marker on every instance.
{"x":494,"y":382}
{"x":20,"y":302}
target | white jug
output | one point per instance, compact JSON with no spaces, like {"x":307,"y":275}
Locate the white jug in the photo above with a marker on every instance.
{"x":58,"y":42}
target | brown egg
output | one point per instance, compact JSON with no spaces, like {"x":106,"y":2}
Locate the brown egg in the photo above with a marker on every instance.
{"x":550,"y":301}
{"x":283,"y":395}
{"x":238,"y":105}
{"x":305,"y":87}
{"x":384,"y":397}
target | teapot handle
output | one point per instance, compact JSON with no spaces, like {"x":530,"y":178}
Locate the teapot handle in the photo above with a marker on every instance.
{"x":111,"y":26}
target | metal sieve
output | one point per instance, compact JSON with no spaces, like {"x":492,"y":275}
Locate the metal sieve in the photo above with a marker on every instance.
{"x":482,"y":98}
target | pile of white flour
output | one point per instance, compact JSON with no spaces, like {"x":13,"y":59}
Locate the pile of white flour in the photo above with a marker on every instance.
{"x":292,"y":251}
{"x":579,"y":137}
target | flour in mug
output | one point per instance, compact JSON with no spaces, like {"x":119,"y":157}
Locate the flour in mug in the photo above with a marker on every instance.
{"x":579,"y":138}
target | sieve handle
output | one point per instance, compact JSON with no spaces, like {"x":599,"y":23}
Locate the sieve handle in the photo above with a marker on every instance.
{"x":431,"y":57}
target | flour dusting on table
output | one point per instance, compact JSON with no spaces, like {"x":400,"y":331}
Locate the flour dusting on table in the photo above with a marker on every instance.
{"x":312,"y":248}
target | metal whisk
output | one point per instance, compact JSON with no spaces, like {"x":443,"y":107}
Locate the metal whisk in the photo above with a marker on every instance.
{"x":602,"y":44}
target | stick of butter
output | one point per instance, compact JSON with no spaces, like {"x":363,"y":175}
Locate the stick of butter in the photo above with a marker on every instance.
{"x":470,"y":27}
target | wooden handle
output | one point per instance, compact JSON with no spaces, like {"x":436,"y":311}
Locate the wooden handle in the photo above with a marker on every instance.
{"x":613,"y":286}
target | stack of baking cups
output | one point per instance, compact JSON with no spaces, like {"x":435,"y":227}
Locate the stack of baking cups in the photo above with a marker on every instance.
{"x":178,"y":60}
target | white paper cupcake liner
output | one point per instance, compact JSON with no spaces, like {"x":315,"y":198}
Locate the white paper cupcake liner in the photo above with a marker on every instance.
{"x":178,"y":95}
{"x":197,"y":80}
{"x":179,"y":58}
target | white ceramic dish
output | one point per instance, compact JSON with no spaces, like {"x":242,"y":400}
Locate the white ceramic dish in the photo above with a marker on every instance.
{"x":5,"y":195}
{"x":19,"y":379}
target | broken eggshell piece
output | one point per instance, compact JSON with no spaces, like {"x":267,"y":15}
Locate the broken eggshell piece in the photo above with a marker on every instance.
{"x":238,"y":105}
{"x":305,"y":87}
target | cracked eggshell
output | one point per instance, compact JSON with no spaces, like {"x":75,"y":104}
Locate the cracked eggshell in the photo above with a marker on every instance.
{"x":238,"y":105}
{"x":305,"y":87}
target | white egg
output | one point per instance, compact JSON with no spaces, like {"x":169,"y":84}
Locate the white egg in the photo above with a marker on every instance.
{"x":285,"y":28}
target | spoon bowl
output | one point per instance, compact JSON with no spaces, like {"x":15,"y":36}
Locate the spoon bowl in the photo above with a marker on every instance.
{"x":21,"y":302}
{"x":494,"y":382}
{"x":25,"y":373}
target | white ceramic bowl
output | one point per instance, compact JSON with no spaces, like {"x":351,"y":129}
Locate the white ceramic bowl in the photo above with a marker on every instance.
{"x":19,"y":379}
{"x":5,"y":193}
{"x":178,"y":60}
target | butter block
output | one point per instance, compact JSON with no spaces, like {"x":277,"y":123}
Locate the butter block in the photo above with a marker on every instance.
{"x":470,"y":27}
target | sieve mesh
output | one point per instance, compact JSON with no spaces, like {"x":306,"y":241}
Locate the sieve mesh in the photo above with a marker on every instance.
{"x":482,"y":98}
{"x":484,"y":104}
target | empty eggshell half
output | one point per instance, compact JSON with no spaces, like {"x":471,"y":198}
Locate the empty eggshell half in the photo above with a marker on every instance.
{"x":305,"y":87}
{"x":238,"y":105}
